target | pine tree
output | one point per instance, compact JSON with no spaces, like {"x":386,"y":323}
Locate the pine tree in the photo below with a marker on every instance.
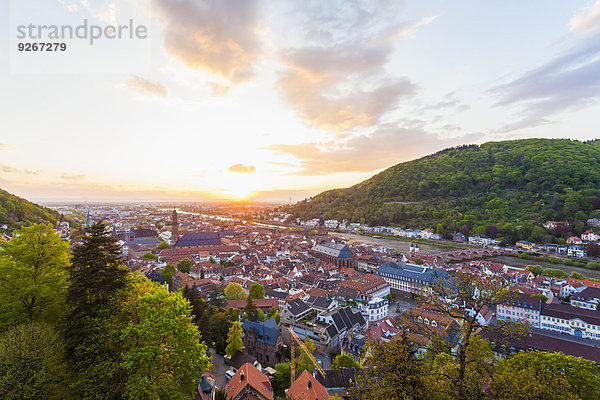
{"x":250,"y":309}
{"x":96,"y":296}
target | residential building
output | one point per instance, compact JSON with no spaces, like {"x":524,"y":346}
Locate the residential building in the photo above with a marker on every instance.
{"x":307,"y":387}
{"x":576,"y":251}
{"x":376,"y":309}
{"x":522,"y":308}
{"x":590,"y":236}
{"x":481,"y":240}
{"x":263,"y":341}
{"x":556,"y":224}
{"x":249,"y":383}
{"x":588,"y":298}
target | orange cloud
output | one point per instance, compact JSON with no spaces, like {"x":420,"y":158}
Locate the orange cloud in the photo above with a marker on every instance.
{"x":242,"y":168}
{"x":217,"y":36}
{"x":385,"y":147}
{"x":147,"y":87}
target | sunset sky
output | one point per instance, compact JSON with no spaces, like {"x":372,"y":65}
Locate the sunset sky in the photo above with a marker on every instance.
{"x":266,"y":100}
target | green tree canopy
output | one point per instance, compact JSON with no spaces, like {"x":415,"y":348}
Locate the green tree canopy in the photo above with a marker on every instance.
{"x":234,"y":339}
{"x":576,"y":275}
{"x":540,"y":375}
{"x":163,"y":245}
{"x":33,"y":275}
{"x":149,"y":256}
{"x":168,"y":272}
{"x":166,"y":358}
{"x":535,"y":269}
{"x":235,"y":291}
{"x":257,"y":291}
{"x":344,"y":360}
{"x":250,"y":309}
{"x":31,"y":363}
{"x":184,"y":265}
{"x":281,"y":379}
{"x":390,"y":371}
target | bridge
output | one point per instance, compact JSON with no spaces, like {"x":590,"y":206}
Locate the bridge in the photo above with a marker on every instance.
{"x":465,"y":255}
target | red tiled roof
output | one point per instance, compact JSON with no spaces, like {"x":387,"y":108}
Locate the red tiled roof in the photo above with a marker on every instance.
{"x":248,"y":374}
{"x":306,"y":387}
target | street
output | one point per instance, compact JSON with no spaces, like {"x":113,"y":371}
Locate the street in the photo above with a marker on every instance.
{"x":219,"y":368}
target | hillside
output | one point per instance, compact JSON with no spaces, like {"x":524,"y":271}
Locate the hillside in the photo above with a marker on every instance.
{"x":514,"y":185}
{"x":16,"y":212}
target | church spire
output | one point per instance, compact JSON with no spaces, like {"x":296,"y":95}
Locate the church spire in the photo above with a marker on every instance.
{"x":174,"y":228}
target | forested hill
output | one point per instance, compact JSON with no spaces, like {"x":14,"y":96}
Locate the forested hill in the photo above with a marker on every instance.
{"x":16,"y":212}
{"x":523,"y":182}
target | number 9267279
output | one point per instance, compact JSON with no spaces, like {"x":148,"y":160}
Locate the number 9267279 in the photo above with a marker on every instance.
{"x":42,"y":46}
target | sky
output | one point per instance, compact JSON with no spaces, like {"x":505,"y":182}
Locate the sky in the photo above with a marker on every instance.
{"x":267,"y":100}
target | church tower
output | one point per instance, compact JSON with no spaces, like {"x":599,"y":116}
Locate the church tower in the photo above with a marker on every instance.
{"x":321,"y":230}
{"x":174,"y":228}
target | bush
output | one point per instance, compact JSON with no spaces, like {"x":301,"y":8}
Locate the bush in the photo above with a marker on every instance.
{"x":593,"y":265}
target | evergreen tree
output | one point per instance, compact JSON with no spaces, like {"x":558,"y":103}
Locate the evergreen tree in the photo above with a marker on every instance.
{"x":96,"y":296}
{"x":250,"y":310}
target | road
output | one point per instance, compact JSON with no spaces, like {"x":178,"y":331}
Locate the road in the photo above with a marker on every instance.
{"x":219,"y":368}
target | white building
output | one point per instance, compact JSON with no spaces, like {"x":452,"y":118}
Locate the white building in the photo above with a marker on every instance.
{"x":523,"y":308}
{"x":564,"y":318}
{"x":376,"y":309}
{"x":588,"y":298}
{"x":590,"y":236}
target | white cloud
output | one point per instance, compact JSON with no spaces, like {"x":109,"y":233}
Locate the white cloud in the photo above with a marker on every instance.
{"x":587,"y":21}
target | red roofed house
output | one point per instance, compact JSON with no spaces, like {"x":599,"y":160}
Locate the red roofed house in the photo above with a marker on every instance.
{"x":307,"y":387}
{"x":249,"y":383}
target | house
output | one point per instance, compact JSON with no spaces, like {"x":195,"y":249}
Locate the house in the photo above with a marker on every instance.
{"x":481,"y":239}
{"x":576,"y":251}
{"x":263,"y":341}
{"x":565,"y":318}
{"x":522,"y":308}
{"x":249,"y":383}
{"x":338,"y":381}
{"x":590,"y":236}
{"x":205,"y":389}
{"x":376,"y":309}
{"x":587,"y":298}
{"x":525,"y":245}
{"x":421,"y":324}
{"x":594,"y":222}
{"x":458,"y":237}
{"x":574,"y":240}
{"x":556,"y":224}
{"x":264,"y":304}
{"x":295,"y":310}
{"x":307,"y":387}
